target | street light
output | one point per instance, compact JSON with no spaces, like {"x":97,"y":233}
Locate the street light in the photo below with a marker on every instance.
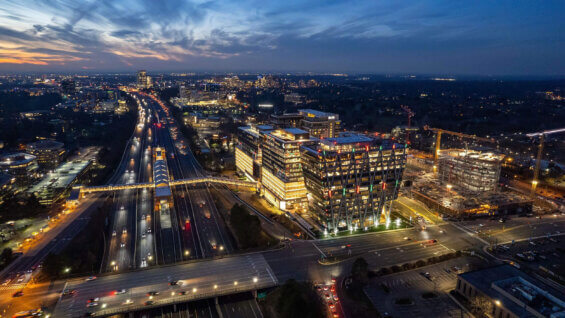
{"x":235,"y":283}
{"x":497,"y":302}
{"x":68,"y":269}
{"x":215,"y":286}
{"x":194,"y":290}
{"x":186,"y":252}
{"x":255,"y":279}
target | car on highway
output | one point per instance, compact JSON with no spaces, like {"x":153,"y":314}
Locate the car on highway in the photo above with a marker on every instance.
{"x":127,"y":302}
{"x":143,"y":235}
{"x":93,"y":304}
{"x":148,"y":303}
{"x":153,"y":293}
{"x":121,"y":291}
{"x":114,"y":233}
{"x":19,"y":293}
{"x":90,"y":278}
{"x":69,"y":292}
{"x":122,"y":244}
{"x":93,"y":300}
{"x":175,"y":283}
{"x":406,"y":238}
{"x":124,"y":230}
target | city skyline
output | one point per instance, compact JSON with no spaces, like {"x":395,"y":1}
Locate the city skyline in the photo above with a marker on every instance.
{"x":479,"y":38}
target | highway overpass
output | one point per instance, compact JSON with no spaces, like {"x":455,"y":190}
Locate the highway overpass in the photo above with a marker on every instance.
{"x":195,"y":281}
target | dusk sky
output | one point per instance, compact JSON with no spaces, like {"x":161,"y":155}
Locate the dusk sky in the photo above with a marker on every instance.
{"x":441,"y":37}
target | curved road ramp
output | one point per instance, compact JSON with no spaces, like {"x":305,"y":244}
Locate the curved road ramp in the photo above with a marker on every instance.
{"x":166,"y":285}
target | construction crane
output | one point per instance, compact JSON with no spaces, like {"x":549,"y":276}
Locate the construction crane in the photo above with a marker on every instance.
{"x":410,"y":114}
{"x":541,"y":136}
{"x":439,"y":132}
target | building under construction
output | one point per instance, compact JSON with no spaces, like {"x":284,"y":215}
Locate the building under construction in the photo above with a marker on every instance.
{"x":470,"y":169}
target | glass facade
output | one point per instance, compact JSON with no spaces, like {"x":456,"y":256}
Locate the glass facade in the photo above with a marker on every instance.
{"x":352,"y":179}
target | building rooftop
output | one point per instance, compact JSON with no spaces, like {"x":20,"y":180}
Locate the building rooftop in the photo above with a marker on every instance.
{"x":161,"y":174}
{"x":256,"y":130}
{"x":290,"y":134}
{"x":318,"y":114}
{"x":62,"y":177}
{"x":518,"y":292}
{"x":16,"y":159}
{"x":45,"y":144}
{"x":348,"y":141}
{"x":472,"y":155}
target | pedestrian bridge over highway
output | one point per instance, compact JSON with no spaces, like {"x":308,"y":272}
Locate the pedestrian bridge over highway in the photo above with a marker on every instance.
{"x":79,"y":191}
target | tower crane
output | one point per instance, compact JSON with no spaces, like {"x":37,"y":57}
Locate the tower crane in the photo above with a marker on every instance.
{"x":541,"y":136}
{"x":410,"y":114}
{"x":439,"y":132}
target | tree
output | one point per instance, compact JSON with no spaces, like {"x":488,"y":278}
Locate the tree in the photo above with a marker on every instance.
{"x":299,"y":299}
{"x":247,"y":227}
{"x":481,"y":305}
{"x":6,"y":256}
{"x":360,"y":271}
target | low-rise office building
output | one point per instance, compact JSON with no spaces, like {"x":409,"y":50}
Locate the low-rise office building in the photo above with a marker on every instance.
{"x":22,"y":166}
{"x":49,"y":153}
{"x":352,"y":179}
{"x":506,"y":292}
{"x":319,"y":124}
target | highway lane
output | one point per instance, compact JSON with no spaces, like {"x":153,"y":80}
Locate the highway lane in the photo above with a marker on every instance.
{"x":211,"y":237}
{"x":122,"y":239}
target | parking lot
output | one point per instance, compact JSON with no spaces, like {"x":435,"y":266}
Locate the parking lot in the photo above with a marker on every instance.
{"x":421,"y":292}
{"x":546,"y":252}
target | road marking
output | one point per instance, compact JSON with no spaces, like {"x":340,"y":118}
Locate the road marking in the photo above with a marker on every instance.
{"x":323,"y":254}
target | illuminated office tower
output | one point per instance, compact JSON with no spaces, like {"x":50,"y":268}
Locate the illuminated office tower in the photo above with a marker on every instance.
{"x":352,"y":179}
{"x":281,"y":173}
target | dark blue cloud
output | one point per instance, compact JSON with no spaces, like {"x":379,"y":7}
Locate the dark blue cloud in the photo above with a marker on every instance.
{"x":430,"y":36}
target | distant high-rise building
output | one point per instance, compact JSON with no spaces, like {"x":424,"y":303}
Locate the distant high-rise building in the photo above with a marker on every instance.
{"x":352,"y":179}
{"x":184,"y":92}
{"x":143,"y":80}
{"x":319,"y":124}
{"x":68,"y":86}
